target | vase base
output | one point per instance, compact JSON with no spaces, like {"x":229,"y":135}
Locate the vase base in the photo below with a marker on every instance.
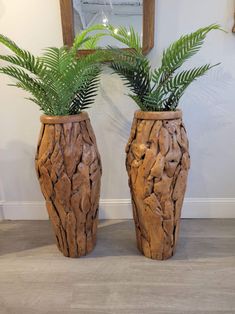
{"x":89,"y":250}
{"x":156,"y":256}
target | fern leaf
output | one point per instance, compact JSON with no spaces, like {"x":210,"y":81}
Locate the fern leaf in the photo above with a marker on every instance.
{"x":135,"y":70}
{"x":128,"y":37}
{"x":83,"y":37}
{"x":86,"y":90}
{"x":61,"y":84}
{"x":186,"y":77}
{"x":184,"y":48}
{"x":11,"y":45}
{"x":92,"y":42}
{"x":22,"y":57}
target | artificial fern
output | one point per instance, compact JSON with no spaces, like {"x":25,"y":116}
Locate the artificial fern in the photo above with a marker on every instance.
{"x":162,"y":88}
{"x":126,"y":36}
{"x":60,"y":82}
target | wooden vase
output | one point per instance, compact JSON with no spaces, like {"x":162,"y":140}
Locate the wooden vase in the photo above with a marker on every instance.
{"x":157,"y":163}
{"x":69,"y":172}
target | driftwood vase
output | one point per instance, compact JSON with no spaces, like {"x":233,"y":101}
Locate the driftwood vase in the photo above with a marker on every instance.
{"x":69,"y":171}
{"x":157,"y":164}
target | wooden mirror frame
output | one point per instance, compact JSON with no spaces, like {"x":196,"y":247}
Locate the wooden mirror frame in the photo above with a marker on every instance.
{"x":66,"y":8}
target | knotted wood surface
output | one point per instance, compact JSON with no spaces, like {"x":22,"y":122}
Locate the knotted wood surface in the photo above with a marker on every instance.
{"x":69,"y":171}
{"x":157,"y":163}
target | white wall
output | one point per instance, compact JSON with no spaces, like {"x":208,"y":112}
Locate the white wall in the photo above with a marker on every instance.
{"x":209,"y":112}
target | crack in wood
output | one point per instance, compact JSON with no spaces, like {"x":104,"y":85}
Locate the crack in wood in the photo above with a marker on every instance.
{"x":157,"y":163}
{"x":68,"y":166}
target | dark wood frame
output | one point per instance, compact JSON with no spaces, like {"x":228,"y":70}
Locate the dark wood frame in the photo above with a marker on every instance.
{"x":233,"y":29}
{"x":66,"y":7}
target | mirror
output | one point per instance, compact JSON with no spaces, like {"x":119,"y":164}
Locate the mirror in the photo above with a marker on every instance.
{"x":115,"y":12}
{"x":77,"y":15}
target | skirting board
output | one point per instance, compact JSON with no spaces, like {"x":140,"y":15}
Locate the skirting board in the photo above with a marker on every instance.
{"x":121,"y":209}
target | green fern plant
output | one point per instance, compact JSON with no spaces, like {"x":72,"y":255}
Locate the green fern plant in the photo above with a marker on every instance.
{"x":59,"y":81}
{"x":162,"y":88}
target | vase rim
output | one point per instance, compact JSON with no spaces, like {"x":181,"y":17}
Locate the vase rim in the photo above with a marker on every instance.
{"x":64,"y":119}
{"x":158,"y":115}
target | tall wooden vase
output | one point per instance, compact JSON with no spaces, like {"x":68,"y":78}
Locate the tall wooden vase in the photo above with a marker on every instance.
{"x":157,"y":164}
{"x":69,"y":171}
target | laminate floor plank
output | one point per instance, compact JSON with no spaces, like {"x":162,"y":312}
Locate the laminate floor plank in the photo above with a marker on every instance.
{"x":115,"y":278}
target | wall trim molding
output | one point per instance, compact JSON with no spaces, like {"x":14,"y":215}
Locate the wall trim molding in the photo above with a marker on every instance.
{"x":121,"y":209}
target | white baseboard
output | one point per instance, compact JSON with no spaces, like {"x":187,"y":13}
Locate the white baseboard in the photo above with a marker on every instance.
{"x":24,"y":211}
{"x":121,"y":209}
{"x":109,"y":209}
{"x":209,"y":208}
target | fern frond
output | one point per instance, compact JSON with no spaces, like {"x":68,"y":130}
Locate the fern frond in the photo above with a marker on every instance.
{"x":86,"y":92}
{"x":186,"y":77}
{"x":57,"y":59}
{"x":181,"y":50}
{"x":29,"y":84}
{"x":154,"y":101}
{"x":134,"y":69}
{"x":167,"y":96}
{"x":92,"y":42}
{"x":128,"y":37}
{"x":82,"y":38}
{"x":10,"y":44}
{"x":22,"y":58}
{"x":138,"y":101}
{"x":31,"y":64}
{"x":17,"y":74}
{"x":162,"y":88}
{"x":60,"y":82}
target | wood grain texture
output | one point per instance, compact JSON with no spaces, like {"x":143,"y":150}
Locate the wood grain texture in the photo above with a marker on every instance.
{"x":69,"y":172}
{"x":67,"y":19}
{"x":157,"y":163}
{"x":115,"y":279}
{"x":148,"y":25}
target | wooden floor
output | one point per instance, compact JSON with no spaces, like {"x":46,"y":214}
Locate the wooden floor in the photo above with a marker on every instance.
{"x":115,"y":278}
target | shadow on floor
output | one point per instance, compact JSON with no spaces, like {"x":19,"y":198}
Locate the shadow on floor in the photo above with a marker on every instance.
{"x":117,"y":238}
{"x":114,"y":238}
{"x":18,"y":236}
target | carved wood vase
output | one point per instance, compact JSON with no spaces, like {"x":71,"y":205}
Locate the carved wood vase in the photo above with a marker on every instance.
{"x":157,"y":163}
{"x":69,"y":171}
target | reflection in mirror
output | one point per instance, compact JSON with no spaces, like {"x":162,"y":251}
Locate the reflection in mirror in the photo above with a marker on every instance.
{"x":116,"y":12}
